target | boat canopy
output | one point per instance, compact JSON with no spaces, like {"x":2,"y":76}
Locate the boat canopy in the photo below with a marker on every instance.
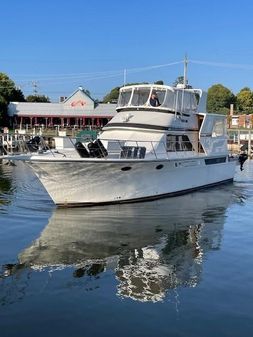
{"x":165,"y":97}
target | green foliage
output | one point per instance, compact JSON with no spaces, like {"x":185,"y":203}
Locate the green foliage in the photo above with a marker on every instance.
{"x":8,"y":93}
{"x":112,"y":96}
{"x":3,"y":110}
{"x":245,"y":89}
{"x":219,"y":99}
{"x":160,"y":82}
{"x":38,"y":98}
{"x":245,"y":101}
{"x":178,"y":80}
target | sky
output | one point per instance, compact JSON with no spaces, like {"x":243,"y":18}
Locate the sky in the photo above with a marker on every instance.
{"x":55,"y":46}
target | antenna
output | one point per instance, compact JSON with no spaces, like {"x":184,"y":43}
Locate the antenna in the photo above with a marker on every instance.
{"x":185,"y":71}
{"x":125,"y":72}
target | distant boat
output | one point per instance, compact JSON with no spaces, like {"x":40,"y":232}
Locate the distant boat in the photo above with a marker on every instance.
{"x":161,"y":142}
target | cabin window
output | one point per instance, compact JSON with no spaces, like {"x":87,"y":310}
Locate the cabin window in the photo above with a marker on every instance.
{"x":172,"y":143}
{"x":169,"y":101}
{"x":140,"y":96}
{"x":185,"y":101}
{"x":160,"y":94}
{"x":189,"y":102}
{"x":124,"y":97}
{"x":186,"y":144}
{"x":218,"y":128}
{"x":180,"y":100}
{"x":215,"y":160}
{"x":178,"y":143}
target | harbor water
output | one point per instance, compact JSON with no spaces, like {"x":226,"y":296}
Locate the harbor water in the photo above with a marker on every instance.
{"x":179,"y":266}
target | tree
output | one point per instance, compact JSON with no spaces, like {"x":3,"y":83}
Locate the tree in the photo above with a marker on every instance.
{"x":3,"y":110}
{"x":219,"y":99}
{"x":8,"y":93}
{"x":245,"y":100}
{"x":178,"y":80}
{"x":160,"y":82}
{"x":38,"y":98}
{"x":112,"y":96}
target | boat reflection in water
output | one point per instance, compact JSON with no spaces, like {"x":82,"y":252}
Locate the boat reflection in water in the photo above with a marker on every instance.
{"x":151,"y":247}
{"x":6,"y":187}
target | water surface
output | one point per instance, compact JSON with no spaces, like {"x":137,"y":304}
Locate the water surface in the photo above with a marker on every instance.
{"x":174,"y":267}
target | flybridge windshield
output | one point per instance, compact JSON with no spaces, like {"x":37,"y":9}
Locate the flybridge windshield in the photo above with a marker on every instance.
{"x":174,"y":100}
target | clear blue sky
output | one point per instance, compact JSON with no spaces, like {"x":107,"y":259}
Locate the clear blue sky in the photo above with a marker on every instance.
{"x":62,"y":44}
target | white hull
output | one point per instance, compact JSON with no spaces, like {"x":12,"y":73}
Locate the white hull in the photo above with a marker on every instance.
{"x":104,"y":181}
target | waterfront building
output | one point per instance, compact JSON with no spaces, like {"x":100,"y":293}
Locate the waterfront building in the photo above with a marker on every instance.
{"x":78,"y":110}
{"x":241,"y":121}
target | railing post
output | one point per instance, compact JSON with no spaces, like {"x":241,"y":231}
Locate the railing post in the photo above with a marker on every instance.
{"x":165,"y":149}
{"x":249,"y":144}
{"x":153,"y":149}
{"x":238,"y":138}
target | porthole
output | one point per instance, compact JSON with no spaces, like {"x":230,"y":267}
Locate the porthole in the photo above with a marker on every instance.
{"x":159,"y":167}
{"x":126,"y":168}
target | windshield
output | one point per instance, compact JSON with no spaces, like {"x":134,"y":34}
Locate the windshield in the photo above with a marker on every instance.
{"x":140,"y":96}
{"x":124,"y":97}
{"x":174,"y":100}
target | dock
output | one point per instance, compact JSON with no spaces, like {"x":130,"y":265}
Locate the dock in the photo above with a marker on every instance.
{"x":240,"y":140}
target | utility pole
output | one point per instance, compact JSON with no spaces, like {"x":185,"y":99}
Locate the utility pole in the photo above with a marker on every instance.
{"x":35,"y":86}
{"x":185,"y":71}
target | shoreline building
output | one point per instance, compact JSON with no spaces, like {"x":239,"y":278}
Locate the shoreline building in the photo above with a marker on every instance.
{"x":241,"y":121}
{"x":78,"y":110}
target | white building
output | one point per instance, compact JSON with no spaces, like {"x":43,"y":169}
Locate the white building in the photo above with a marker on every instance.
{"x":79,"y":110}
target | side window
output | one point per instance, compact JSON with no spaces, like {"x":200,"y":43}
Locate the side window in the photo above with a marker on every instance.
{"x":124,"y":97}
{"x":161,"y":96}
{"x":178,"y":143}
{"x":172,"y":143}
{"x":186,"y":144}
{"x":169,"y":101}
{"x":218,"y":128}
{"x":140,"y":96}
{"x":185,"y":101}
{"x":189,"y":102}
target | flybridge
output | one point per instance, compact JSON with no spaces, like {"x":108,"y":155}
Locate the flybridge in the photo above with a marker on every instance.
{"x":176,"y":99}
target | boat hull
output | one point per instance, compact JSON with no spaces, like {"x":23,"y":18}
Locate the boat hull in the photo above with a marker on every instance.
{"x":103,"y":181}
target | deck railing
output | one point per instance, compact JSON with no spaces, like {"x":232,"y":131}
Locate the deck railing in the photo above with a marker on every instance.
{"x":22,"y":144}
{"x":140,"y":149}
{"x":106,"y":148}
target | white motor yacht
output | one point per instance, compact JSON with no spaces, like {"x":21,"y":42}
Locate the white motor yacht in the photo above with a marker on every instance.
{"x":161,"y":142}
